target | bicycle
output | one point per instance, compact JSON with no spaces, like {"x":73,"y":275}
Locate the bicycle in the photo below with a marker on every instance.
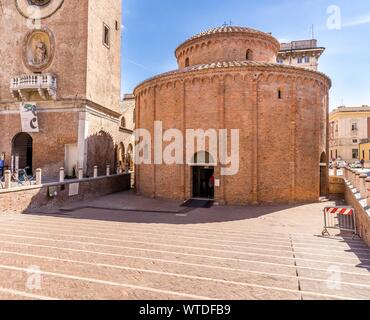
{"x":24,"y":178}
{"x":19,"y":178}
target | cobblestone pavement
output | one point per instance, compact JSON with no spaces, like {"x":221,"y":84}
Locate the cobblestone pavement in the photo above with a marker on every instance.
{"x":127,"y":247}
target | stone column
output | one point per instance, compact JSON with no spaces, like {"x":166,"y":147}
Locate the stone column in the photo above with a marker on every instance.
{"x":222,"y":124}
{"x":353,"y":177}
{"x":184,"y":167}
{"x":363,"y":189}
{"x":8,"y":179}
{"x":38,"y":177}
{"x":254,"y":136}
{"x":61,"y":175}
{"x":95,"y":171}
{"x":357,"y":181}
{"x":368,"y":191}
{"x":346,"y":173}
{"x":108,"y":170}
{"x":80,"y":173}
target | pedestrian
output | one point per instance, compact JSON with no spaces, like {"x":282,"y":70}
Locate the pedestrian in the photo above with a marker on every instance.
{"x":2,"y":164}
{"x":211,"y":185}
{"x":362,"y":164}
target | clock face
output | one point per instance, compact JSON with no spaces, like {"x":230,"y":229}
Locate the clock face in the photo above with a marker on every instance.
{"x":39,"y":3}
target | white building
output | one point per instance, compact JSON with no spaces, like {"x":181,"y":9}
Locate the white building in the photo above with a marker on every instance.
{"x":303,"y":53}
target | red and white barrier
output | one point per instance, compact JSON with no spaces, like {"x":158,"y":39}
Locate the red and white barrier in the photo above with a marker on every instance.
{"x":340,"y":211}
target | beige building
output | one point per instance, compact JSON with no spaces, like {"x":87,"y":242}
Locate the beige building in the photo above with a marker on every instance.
{"x":127,"y":127}
{"x":348,"y":126}
{"x":302,"y":53}
{"x":60,"y":84}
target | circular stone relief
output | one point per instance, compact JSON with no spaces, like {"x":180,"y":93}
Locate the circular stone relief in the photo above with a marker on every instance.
{"x":38,"y":9}
{"x":39,"y":2}
{"x":38,"y":50}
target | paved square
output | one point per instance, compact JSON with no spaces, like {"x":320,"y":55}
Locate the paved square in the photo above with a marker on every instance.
{"x":127,"y":247}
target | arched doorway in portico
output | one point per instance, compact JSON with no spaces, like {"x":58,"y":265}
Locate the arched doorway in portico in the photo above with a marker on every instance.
{"x":22,"y":150}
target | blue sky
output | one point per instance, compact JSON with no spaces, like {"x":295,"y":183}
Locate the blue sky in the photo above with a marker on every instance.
{"x":152,"y":29}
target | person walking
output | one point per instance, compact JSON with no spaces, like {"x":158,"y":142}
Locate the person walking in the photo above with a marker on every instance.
{"x":2,"y":164}
{"x":211,"y":185}
{"x":362,"y":164}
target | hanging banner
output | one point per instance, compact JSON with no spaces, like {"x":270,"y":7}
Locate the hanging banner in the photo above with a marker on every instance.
{"x":29,"y":117}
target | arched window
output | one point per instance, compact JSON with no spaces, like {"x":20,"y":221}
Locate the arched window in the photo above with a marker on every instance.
{"x":123,"y":122}
{"x":248,"y":55}
{"x":280,"y":94}
{"x":203,"y":158}
{"x":187,"y":62}
{"x":323,"y":158}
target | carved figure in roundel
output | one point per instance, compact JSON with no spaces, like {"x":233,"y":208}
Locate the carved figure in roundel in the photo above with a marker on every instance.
{"x":39,"y":3}
{"x":40,"y":53}
{"x":38,"y":49}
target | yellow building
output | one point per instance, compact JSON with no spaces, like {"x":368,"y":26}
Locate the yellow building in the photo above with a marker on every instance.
{"x":365,"y":150}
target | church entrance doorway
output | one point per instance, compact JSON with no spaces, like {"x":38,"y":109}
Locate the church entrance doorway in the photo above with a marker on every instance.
{"x":203,"y":182}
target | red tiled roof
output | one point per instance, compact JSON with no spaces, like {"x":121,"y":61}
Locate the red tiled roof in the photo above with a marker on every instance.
{"x":226,"y":29}
{"x":229,"y":29}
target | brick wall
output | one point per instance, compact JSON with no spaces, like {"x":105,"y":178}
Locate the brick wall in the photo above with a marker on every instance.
{"x":228,"y":48}
{"x":336,"y":186}
{"x":58,"y":127}
{"x":362,"y":217}
{"x":22,"y":200}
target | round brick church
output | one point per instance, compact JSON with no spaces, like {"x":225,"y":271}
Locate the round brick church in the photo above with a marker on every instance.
{"x":228,"y":79}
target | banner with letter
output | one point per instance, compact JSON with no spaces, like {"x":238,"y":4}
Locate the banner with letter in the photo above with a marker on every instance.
{"x":29,"y":118}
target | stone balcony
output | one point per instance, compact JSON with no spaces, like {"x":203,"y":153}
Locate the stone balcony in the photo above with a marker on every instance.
{"x":23,"y":86}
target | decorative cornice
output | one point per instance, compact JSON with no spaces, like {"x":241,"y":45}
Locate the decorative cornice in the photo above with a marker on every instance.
{"x":77,"y":103}
{"x":235,"y":66}
{"x":125,"y":130}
